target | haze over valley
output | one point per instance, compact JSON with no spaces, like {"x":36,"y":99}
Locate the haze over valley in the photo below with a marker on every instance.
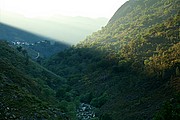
{"x":64,"y":20}
{"x":66,"y":29}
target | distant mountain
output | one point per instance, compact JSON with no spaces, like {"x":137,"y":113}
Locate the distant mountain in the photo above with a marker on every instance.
{"x":65,"y":29}
{"x":35,"y":44}
{"x":129,"y":70}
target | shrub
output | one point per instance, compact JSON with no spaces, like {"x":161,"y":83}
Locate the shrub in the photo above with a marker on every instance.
{"x":86,"y":98}
{"x":170,"y":110}
{"x":106,"y":116}
{"x":99,"y":101}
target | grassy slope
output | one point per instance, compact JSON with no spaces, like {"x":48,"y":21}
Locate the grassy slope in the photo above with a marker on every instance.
{"x":27,"y":90}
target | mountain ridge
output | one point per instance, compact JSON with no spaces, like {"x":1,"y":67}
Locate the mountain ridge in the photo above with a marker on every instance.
{"x":33,"y":43}
{"x":124,"y":69}
{"x":68,"y":27}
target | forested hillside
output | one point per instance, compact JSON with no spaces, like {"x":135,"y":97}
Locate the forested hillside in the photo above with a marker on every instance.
{"x":27,"y":90}
{"x":129,"y":70}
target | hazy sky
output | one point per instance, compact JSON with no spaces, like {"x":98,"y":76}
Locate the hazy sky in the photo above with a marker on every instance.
{"x":45,"y":8}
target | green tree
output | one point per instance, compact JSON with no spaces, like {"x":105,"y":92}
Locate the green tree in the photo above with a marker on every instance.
{"x":106,"y":116}
{"x":99,"y":101}
{"x":61,"y":93}
{"x":177,"y":71}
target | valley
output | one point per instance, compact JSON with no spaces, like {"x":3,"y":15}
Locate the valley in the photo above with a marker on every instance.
{"x":128,"y":70}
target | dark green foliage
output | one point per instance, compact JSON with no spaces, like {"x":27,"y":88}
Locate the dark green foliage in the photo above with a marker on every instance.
{"x":86,"y":98}
{"x":106,"y":116}
{"x":177,"y":72}
{"x":170,"y":110}
{"x":60,"y":94}
{"x":99,"y":101}
{"x":19,"y":48}
{"x":96,"y":118}
{"x":69,"y":108}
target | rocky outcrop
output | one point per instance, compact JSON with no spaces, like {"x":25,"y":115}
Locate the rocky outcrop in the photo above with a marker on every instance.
{"x":85,"y":112}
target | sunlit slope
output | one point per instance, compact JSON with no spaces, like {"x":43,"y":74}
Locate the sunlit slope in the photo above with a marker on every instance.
{"x":130,"y":67}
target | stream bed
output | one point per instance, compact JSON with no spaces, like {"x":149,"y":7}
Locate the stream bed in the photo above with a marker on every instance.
{"x":85,"y":112}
